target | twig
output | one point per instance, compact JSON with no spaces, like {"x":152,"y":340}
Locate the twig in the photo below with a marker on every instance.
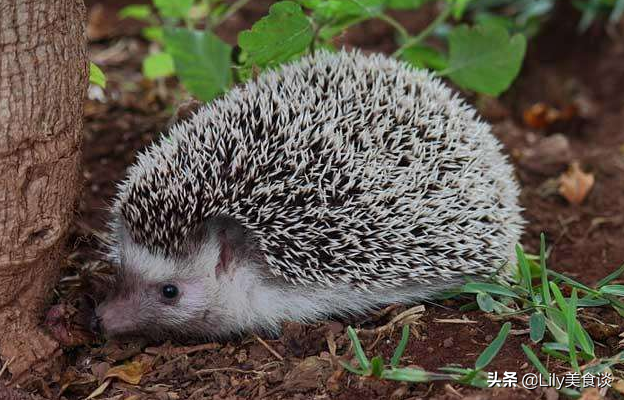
{"x":174,"y":351}
{"x":200,"y":390}
{"x":230,"y":369}
{"x":269,"y":348}
{"x":395,"y":24}
{"x":231,"y":11}
{"x":454,"y":321}
{"x":6,"y":365}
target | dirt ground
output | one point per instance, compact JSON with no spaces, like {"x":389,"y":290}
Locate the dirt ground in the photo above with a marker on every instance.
{"x":563,"y":70}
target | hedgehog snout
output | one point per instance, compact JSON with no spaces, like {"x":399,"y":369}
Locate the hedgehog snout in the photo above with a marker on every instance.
{"x":114,"y":317}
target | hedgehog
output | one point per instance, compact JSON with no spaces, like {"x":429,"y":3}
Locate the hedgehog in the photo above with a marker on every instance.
{"x":333,"y":186}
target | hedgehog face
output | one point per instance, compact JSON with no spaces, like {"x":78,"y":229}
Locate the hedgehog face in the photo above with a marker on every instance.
{"x":155,"y":296}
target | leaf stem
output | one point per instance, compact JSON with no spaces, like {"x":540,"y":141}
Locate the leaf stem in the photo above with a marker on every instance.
{"x":231,"y":11}
{"x":443,"y":16}
{"x":395,"y":24}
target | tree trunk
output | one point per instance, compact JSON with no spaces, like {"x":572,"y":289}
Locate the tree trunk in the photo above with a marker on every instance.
{"x":43,"y":80}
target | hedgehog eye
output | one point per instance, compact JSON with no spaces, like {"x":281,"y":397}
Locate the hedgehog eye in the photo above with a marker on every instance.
{"x":170,"y":291}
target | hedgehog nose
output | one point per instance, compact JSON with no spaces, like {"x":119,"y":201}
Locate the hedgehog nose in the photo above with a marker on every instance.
{"x":96,"y":324}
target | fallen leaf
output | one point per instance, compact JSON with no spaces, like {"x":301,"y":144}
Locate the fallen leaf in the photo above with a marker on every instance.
{"x":130,"y":373}
{"x":575,"y":184}
{"x":99,"y":390}
{"x":71,"y":377}
{"x":541,"y":115}
{"x":307,"y":375}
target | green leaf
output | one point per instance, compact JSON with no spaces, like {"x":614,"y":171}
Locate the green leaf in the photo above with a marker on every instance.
{"x":398,"y":352}
{"x":570,"y":327}
{"x":377,"y":366}
{"x":202,"y":61}
{"x":96,"y":76}
{"x":484,"y":58}
{"x":537,"y":325}
{"x":572,"y":282}
{"x":486,"y":18}
{"x":413,"y":375}
{"x":557,"y":332}
{"x":616,"y":290}
{"x":586,"y":342}
{"x":405,"y":4}
{"x":425,"y":57}
{"x":158,"y":65}
{"x":327,"y":10}
{"x":459,"y":6}
{"x":277,"y":37}
{"x":535,"y":361}
{"x":613,"y":275}
{"x":153,"y":33}
{"x":590,"y":302}
{"x":490,"y":352}
{"x":492,"y":288}
{"x":485,"y":302}
{"x":352,"y":369}
{"x":559,"y":297}
{"x":525,"y":270}
{"x":546,"y":299}
{"x":178,"y":9}
{"x":141,"y":12}
{"x":357,"y":349}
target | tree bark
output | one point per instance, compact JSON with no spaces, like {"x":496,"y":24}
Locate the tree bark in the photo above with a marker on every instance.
{"x":43,"y":80}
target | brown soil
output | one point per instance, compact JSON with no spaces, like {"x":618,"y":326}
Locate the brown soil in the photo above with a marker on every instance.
{"x":562,"y":68}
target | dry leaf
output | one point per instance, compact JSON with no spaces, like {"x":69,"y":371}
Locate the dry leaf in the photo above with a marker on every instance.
{"x":130,"y":372}
{"x":99,"y":390}
{"x":71,"y":377}
{"x":541,"y":115}
{"x":575,"y":184}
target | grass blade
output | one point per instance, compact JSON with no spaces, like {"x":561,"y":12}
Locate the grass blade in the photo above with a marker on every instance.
{"x":398,"y":352}
{"x":573,"y":283}
{"x":616,"y":290}
{"x":543,"y":273}
{"x":586,"y":342}
{"x":559,"y":297}
{"x":542,"y":370}
{"x":377,"y":366}
{"x":559,"y":334}
{"x":414,"y":375}
{"x":525,"y":270}
{"x":490,"y":352}
{"x":613,"y":275}
{"x":490,"y":288}
{"x":571,"y":327}
{"x":352,"y":369}
{"x":357,"y":349}
{"x":535,"y":361}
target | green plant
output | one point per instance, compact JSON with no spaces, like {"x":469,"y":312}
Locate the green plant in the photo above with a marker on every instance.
{"x":548,"y":310}
{"x":481,"y":57}
{"x":592,"y":8}
{"x":535,"y":293}
{"x":96,"y":76}
{"x":377,"y":368}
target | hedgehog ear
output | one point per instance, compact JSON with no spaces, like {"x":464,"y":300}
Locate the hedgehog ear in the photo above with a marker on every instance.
{"x":231,"y":238}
